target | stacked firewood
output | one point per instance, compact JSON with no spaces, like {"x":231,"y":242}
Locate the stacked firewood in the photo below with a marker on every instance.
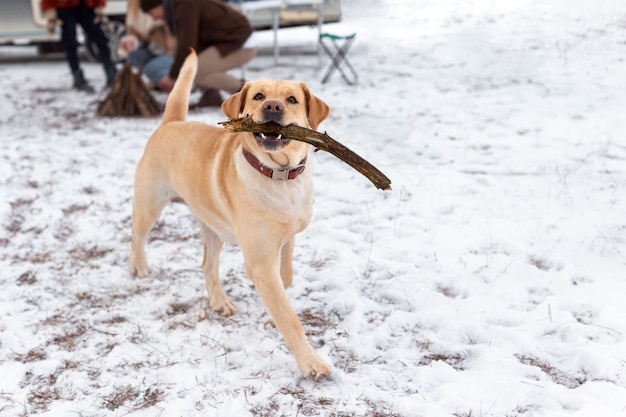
{"x":129,"y":96}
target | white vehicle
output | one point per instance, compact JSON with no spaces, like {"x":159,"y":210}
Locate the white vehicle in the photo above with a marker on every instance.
{"x":23,"y":23}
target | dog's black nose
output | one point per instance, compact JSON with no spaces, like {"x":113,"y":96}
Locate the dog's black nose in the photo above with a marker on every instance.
{"x":273,"y":111}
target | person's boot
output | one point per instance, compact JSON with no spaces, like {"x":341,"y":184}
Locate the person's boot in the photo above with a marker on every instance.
{"x":111,"y":73}
{"x":80,"y":83}
{"x":210,"y":98}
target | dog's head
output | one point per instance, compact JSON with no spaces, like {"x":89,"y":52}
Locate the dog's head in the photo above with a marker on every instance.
{"x":283,"y":102}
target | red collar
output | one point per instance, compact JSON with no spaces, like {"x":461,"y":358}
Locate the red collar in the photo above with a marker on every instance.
{"x":275,"y":174}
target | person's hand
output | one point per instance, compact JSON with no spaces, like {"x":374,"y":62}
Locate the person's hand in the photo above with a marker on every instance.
{"x":51,"y":21}
{"x":101,"y":18}
{"x":166,"y":84}
{"x":128,"y":43}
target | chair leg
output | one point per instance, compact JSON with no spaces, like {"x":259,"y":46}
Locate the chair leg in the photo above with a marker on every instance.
{"x":340,"y":56}
{"x":332,"y":66}
{"x":343,"y":57}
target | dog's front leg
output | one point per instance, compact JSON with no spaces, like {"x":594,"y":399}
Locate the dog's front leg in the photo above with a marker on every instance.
{"x":286,"y":262}
{"x":265,"y":274}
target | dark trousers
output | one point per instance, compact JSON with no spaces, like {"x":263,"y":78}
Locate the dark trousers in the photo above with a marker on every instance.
{"x":83,"y":15}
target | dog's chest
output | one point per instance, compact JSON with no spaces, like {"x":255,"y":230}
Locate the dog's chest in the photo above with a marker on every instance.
{"x":287,"y":202}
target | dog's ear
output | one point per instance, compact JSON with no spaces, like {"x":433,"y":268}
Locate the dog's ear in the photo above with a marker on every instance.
{"x":233,"y":105}
{"x":318,"y":110}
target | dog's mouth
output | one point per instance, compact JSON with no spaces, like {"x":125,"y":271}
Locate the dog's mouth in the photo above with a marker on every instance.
{"x":271,"y":142}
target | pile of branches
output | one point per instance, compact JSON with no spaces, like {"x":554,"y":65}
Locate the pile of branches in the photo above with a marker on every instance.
{"x":129,"y":96}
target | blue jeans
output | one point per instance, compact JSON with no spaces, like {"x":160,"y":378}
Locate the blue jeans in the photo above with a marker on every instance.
{"x":154,"y":66}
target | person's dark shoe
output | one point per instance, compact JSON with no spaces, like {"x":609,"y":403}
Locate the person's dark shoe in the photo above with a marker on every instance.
{"x":80,"y":83}
{"x":111,"y":73}
{"x":210,"y":98}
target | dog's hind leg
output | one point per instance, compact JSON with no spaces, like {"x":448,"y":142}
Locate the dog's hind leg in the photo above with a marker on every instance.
{"x":218,"y":300}
{"x":147,"y":208}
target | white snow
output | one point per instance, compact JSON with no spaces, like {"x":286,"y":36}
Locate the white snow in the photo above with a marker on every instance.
{"x":489,"y":282}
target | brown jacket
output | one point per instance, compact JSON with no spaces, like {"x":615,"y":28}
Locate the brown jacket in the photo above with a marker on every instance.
{"x":205,"y":23}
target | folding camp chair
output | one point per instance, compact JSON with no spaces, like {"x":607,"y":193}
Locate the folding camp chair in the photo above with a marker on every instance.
{"x":339,"y":56}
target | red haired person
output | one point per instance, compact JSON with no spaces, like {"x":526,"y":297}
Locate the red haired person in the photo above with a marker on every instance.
{"x":89,"y":14}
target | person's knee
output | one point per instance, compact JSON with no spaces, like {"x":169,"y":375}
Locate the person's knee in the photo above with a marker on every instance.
{"x":158,"y":67}
{"x":139,"y":57}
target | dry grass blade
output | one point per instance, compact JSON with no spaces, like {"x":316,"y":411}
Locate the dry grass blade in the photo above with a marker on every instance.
{"x":133,"y":398}
{"x":557,"y":376}
{"x":319,"y":140}
{"x":33,"y":355}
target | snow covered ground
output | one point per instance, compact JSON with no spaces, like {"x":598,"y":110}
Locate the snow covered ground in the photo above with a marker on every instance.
{"x":490,"y":282}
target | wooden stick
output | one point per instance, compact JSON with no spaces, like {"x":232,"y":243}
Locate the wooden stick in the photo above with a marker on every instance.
{"x":318,"y":140}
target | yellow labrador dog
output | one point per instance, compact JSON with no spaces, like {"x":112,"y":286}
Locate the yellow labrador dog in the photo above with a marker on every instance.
{"x":244,"y":188}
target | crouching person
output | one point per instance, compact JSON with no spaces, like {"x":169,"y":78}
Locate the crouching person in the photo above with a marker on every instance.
{"x":222,"y":37}
{"x":148,"y":44}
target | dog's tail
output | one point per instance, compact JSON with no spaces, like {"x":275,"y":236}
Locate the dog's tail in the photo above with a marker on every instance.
{"x":178,"y":101}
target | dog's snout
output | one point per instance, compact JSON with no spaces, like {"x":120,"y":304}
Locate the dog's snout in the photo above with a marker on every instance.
{"x":273,"y":111}
{"x":273,"y":106}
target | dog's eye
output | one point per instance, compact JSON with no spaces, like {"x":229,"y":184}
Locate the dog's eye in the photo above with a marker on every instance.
{"x":292,"y":100}
{"x":259,"y":96}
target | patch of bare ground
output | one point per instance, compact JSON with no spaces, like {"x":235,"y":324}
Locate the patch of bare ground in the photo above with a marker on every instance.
{"x":33,"y":355}
{"x":518,"y":411}
{"x":456,"y":360}
{"x":133,"y":398}
{"x":27,"y":278}
{"x":305,"y":404}
{"x":43,"y":389}
{"x":556,"y":375}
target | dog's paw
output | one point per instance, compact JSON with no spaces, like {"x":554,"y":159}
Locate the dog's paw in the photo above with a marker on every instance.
{"x":314,"y":367}
{"x":138,"y":268}
{"x":139,"y":272}
{"x":222,"y":305}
